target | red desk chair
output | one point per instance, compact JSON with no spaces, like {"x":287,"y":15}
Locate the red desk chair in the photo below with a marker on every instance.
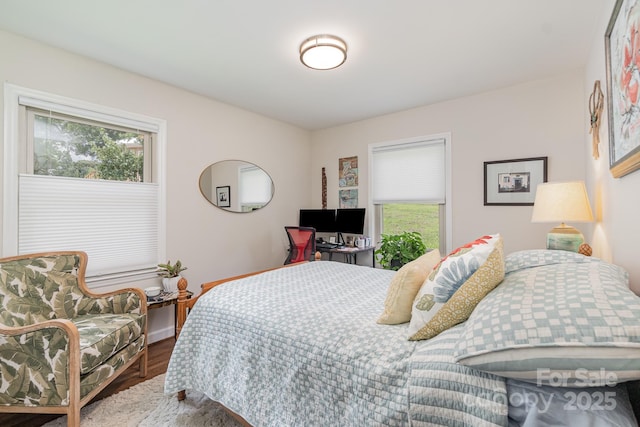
{"x":302,"y":244}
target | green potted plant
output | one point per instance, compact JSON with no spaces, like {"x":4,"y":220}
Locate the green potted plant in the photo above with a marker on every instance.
{"x":170,"y":274}
{"x":398,"y":249}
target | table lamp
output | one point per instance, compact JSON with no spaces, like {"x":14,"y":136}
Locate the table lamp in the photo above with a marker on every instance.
{"x":562,"y":202}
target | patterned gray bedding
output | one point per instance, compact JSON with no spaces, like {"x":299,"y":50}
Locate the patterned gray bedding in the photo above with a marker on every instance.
{"x":301,"y":346}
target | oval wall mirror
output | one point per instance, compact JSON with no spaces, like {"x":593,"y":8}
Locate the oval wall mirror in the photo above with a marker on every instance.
{"x":236,"y":186}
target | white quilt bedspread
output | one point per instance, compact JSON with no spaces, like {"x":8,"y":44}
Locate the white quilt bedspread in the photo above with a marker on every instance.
{"x":300,"y":346}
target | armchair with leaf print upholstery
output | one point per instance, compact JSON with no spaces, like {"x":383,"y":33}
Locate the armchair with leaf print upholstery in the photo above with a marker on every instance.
{"x":61,"y":344}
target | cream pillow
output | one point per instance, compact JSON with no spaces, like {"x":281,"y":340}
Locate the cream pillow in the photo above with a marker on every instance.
{"x":467,"y":297}
{"x":404,"y":287}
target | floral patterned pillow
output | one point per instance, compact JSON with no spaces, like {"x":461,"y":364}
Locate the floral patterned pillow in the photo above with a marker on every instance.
{"x":447,"y":277}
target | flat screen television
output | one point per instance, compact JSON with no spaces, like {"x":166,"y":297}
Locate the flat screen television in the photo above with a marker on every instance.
{"x":350,"y":221}
{"x":323,"y":220}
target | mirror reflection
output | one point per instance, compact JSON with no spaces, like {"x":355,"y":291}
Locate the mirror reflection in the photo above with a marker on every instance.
{"x":236,"y":186}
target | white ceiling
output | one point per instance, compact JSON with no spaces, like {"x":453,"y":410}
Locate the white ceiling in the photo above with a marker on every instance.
{"x":401,"y":53}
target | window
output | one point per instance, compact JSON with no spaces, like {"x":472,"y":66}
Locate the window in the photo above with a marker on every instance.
{"x":83,"y":177}
{"x":409,"y":188}
{"x":60,"y":145}
{"x":255,"y":188}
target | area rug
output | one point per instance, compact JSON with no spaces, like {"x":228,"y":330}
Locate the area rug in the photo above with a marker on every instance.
{"x":145,"y":405}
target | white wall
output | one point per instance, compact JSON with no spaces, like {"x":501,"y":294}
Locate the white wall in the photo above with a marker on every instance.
{"x":616,"y":200}
{"x":541,"y":118}
{"x":211,"y":242}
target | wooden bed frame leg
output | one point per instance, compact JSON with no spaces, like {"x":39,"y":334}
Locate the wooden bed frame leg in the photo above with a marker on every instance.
{"x":181,"y":317}
{"x":181,"y":307}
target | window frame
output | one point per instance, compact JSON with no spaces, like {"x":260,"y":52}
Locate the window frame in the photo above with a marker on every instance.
{"x":15,"y":159}
{"x":446,"y":227}
{"x":31,"y":112}
{"x":243,"y":173}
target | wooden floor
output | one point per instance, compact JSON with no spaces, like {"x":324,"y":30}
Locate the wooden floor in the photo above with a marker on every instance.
{"x":159,"y":354}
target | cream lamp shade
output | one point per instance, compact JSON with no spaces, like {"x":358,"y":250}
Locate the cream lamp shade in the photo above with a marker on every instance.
{"x":562,"y":202}
{"x":323,"y":52}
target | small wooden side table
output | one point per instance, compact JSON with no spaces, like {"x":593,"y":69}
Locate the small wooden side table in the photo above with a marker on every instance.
{"x":165,"y":299}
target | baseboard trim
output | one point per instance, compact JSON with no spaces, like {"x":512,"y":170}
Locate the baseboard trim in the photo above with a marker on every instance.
{"x":159,"y":335}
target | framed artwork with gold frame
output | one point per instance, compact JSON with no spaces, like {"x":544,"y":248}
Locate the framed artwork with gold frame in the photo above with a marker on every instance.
{"x":622,"y":50}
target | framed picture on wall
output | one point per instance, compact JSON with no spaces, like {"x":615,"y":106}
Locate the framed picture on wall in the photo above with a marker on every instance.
{"x":623,"y":83}
{"x":223,"y":196}
{"x":348,"y":172}
{"x":348,"y":198}
{"x":513,"y":182}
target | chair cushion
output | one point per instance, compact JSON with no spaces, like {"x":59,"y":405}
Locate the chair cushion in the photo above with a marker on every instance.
{"x":103,"y":335}
{"x":89,"y":382}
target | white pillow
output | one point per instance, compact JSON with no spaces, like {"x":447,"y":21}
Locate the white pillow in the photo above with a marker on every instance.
{"x":447,"y":277}
{"x":466,"y":298}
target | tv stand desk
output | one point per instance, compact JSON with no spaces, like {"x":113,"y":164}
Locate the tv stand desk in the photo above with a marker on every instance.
{"x":350,"y":253}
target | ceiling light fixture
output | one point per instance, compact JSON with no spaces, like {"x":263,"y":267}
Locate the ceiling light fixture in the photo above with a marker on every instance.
{"x":323,"y":52}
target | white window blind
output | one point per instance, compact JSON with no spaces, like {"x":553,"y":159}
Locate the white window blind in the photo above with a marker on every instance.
{"x":410,"y":172}
{"x":115,"y":222}
{"x":255,"y":186}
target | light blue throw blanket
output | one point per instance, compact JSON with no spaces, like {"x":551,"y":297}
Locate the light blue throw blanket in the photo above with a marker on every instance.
{"x":300,"y":346}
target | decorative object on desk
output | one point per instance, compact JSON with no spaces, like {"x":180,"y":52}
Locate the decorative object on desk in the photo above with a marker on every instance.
{"x":348,"y":172}
{"x":348,"y":199}
{"x":513,"y":182}
{"x":349,"y":242}
{"x":596,"y":104}
{"x":560,"y":202}
{"x":622,"y":88}
{"x":170,"y":274}
{"x":324,"y":188}
{"x":152,"y":291}
{"x":223,"y":196}
{"x":398,"y":249}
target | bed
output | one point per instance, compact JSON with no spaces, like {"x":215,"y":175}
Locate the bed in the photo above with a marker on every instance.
{"x":301,"y":345}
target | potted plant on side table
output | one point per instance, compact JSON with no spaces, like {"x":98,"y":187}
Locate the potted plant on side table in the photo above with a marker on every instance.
{"x":170,"y":275}
{"x":398,"y":249}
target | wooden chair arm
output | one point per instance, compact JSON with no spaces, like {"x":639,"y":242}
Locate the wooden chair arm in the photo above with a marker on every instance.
{"x":64,"y":324}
